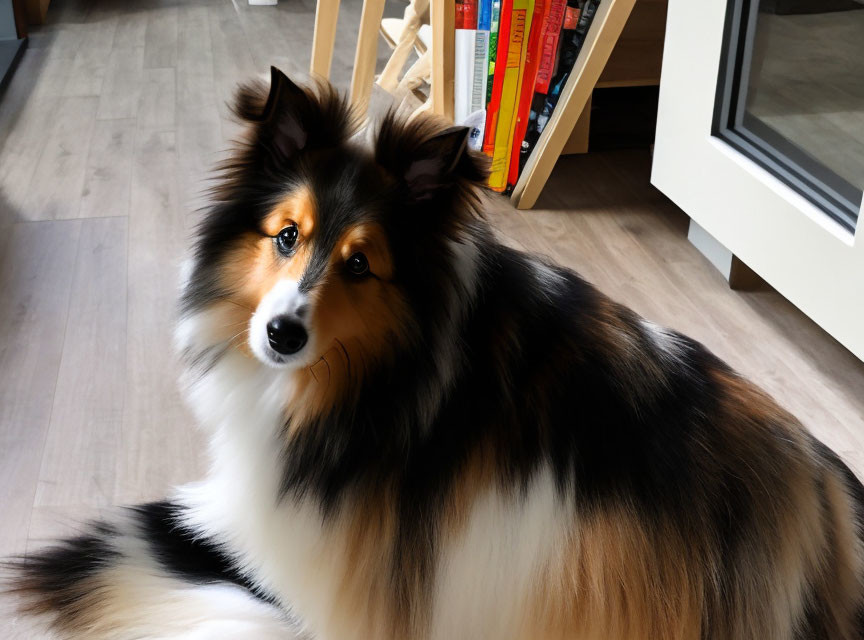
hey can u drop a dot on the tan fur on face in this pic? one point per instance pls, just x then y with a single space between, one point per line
356 322
298 208
353 321
254 266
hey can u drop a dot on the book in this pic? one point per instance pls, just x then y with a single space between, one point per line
520 27
481 65
549 44
463 73
547 50
574 30
493 47
481 56
539 22
498 80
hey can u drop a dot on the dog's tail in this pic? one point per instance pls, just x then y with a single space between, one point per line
142 575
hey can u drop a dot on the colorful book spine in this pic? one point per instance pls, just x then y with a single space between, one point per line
493 47
575 28
549 45
481 53
463 76
539 22
481 56
498 81
484 15
548 54
520 28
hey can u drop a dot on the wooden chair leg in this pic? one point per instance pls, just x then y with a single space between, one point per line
324 37
442 15
367 49
604 33
389 79
416 75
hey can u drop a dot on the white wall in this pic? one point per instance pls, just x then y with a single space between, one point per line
799 250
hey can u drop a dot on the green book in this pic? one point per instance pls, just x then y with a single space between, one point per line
493 47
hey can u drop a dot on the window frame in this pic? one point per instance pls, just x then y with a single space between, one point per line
748 135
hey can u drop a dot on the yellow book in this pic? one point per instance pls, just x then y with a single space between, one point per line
517 47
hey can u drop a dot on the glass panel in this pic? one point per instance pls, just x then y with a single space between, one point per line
792 95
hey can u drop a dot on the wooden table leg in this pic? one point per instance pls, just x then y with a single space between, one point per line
324 37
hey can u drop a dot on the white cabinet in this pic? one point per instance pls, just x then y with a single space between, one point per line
779 232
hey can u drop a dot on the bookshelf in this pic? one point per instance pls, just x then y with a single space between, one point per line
602 37
567 128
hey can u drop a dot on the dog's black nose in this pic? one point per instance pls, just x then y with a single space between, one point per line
286 335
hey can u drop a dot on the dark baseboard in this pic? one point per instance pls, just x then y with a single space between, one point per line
10 53
801 7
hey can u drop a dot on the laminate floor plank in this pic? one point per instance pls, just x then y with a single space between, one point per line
160 38
232 58
55 188
196 85
278 37
131 28
36 274
157 106
90 62
59 39
160 445
199 149
124 81
199 126
23 123
79 460
108 174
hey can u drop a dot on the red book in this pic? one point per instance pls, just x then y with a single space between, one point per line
549 44
498 80
460 14
469 14
539 24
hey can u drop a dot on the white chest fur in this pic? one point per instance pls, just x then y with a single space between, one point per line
484 574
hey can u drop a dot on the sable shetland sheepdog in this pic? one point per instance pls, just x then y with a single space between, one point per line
418 433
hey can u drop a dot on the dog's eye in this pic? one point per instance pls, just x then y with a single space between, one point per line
286 239
357 265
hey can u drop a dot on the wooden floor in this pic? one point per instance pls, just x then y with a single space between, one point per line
106 134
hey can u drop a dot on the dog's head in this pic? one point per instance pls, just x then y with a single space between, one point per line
323 254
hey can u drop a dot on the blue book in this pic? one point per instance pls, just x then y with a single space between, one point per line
484 16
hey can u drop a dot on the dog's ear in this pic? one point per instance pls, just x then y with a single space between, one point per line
283 112
292 118
427 160
435 162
